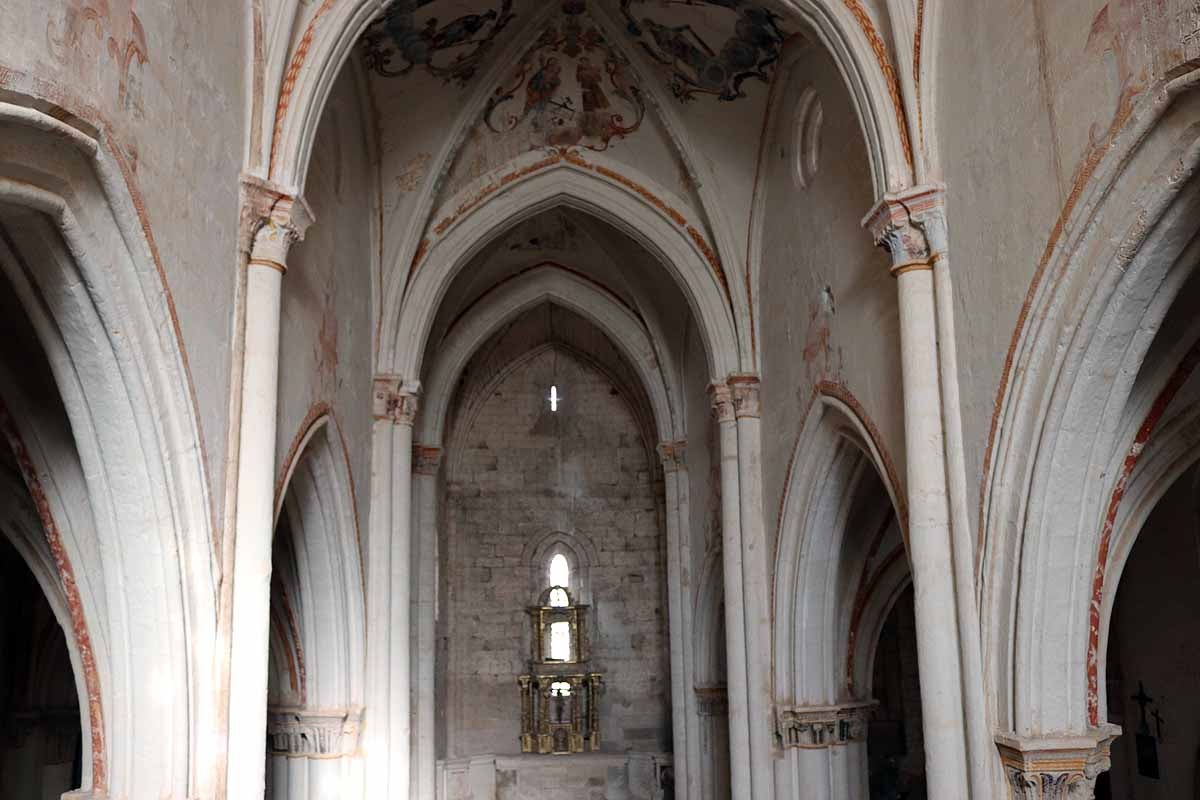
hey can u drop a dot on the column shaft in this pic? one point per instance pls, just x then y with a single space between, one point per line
895 224
929 543
388 731
426 462
735 615
255 516
756 583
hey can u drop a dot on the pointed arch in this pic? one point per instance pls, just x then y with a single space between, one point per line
1078 385
839 490
320 563
631 204
507 301
134 482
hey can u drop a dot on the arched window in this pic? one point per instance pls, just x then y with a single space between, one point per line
560 581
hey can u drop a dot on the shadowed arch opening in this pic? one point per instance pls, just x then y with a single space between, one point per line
840 565
108 447
318 623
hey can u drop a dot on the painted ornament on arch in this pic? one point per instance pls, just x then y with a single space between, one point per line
571 89
742 41
396 43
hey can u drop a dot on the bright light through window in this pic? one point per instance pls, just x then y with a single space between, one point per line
555 398
560 571
558 597
560 641
560 689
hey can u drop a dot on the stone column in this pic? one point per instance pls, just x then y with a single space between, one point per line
755 581
685 723
825 750
1055 768
712 706
312 752
388 725
285 223
426 463
735 616
937 614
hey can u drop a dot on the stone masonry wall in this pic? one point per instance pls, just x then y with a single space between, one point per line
517 473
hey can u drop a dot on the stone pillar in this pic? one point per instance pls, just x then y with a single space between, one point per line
1055 768
756 582
388 724
285 223
712 707
931 217
825 750
893 225
426 463
735 616
685 723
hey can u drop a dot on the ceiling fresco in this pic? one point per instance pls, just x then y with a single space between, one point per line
708 47
572 88
411 36
704 47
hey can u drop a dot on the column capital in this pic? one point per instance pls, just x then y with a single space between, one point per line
746 395
673 454
901 222
1055 767
426 459
302 732
722 401
271 220
394 400
814 727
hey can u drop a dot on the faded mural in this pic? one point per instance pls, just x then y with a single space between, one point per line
398 43
703 55
572 88
123 35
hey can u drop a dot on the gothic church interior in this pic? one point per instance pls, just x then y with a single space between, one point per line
602 399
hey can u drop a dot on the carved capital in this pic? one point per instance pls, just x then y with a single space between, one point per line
305 733
673 454
426 460
271 220
1055 767
911 226
746 396
394 400
722 402
824 726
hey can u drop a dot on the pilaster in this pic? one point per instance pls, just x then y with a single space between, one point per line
1055 768
824 726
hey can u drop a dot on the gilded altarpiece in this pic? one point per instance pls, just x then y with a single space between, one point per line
559 695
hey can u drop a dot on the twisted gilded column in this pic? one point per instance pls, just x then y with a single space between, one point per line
284 223
735 616
388 729
895 224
